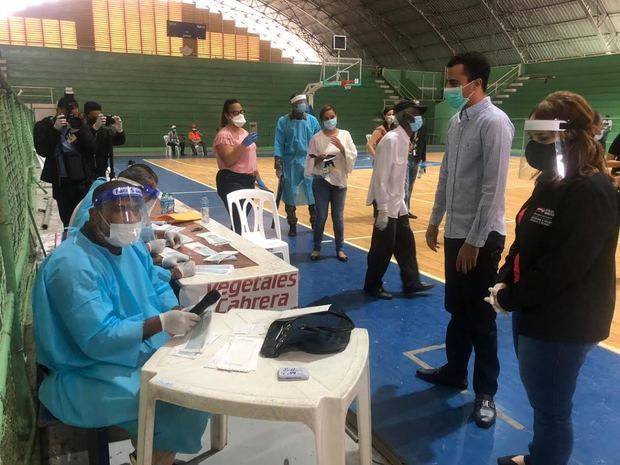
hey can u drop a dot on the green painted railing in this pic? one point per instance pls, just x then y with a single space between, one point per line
17 262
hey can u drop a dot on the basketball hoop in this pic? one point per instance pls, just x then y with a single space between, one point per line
346 85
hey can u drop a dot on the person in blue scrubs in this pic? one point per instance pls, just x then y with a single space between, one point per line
101 310
290 147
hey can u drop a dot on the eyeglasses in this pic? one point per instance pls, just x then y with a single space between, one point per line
237 112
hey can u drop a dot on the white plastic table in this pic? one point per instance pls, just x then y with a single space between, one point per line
320 402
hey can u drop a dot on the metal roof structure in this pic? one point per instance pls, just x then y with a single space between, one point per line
423 34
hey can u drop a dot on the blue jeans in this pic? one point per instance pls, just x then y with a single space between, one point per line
549 372
324 194
412 173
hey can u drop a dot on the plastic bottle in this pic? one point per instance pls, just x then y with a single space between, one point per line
171 206
163 203
204 208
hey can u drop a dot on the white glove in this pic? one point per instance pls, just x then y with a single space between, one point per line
118 123
492 299
173 239
382 220
187 269
60 122
100 121
178 322
169 261
156 246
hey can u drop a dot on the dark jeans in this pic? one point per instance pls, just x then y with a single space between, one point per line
67 198
228 181
549 372
472 326
325 194
291 216
397 239
412 174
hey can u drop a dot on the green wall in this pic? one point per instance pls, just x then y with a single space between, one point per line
150 92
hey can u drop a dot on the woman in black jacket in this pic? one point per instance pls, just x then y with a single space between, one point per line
559 278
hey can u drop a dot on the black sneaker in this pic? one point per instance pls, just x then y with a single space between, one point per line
484 412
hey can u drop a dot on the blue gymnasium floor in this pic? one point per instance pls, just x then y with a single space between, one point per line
421 423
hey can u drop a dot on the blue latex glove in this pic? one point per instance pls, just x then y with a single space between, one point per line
261 185
250 139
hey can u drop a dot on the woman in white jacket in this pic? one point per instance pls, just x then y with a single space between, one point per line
331 157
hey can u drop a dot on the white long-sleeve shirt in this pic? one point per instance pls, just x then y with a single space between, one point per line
343 163
387 185
472 179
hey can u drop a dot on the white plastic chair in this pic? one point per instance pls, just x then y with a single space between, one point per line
256 199
168 149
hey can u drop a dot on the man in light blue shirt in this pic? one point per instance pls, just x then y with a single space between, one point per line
471 193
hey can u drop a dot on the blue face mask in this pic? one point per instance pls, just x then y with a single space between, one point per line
301 108
330 123
454 96
416 124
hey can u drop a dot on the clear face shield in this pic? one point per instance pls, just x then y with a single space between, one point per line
124 215
543 150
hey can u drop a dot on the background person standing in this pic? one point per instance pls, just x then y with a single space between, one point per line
290 147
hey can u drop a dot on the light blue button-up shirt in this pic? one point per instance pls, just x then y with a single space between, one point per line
472 180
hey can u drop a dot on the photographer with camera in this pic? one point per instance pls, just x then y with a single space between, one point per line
108 131
68 146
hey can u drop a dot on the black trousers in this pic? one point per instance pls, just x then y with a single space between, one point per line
472 326
291 216
228 181
396 239
67 196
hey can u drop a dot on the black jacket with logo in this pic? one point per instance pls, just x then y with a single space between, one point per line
565 246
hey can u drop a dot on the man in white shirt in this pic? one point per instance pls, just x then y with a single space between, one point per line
392 234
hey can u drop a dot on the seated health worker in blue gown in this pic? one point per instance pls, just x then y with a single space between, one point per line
100 311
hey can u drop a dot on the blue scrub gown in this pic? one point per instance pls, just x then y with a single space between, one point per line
291 144
89 309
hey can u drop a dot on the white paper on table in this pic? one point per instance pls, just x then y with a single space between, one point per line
222 256
200 249
166 227
240 353
184 353
214 269
185 239
213 239
170 252
250 330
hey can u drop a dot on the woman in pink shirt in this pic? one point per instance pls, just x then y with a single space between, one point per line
235 152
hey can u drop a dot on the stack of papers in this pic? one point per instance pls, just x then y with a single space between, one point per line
222 256
200 249
214 239
166 227
214 269
170 252
240 353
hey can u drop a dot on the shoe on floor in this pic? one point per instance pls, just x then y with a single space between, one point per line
507 460
379 293
441 377
412 216
292 230
343 257
315 257
484 412
419 287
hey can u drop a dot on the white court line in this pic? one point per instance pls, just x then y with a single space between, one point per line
436 278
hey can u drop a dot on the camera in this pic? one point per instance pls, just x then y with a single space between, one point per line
109 120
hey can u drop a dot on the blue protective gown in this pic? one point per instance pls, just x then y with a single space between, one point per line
291 144
89 309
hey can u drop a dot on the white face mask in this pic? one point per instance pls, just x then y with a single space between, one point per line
122 235
238 120
389 119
